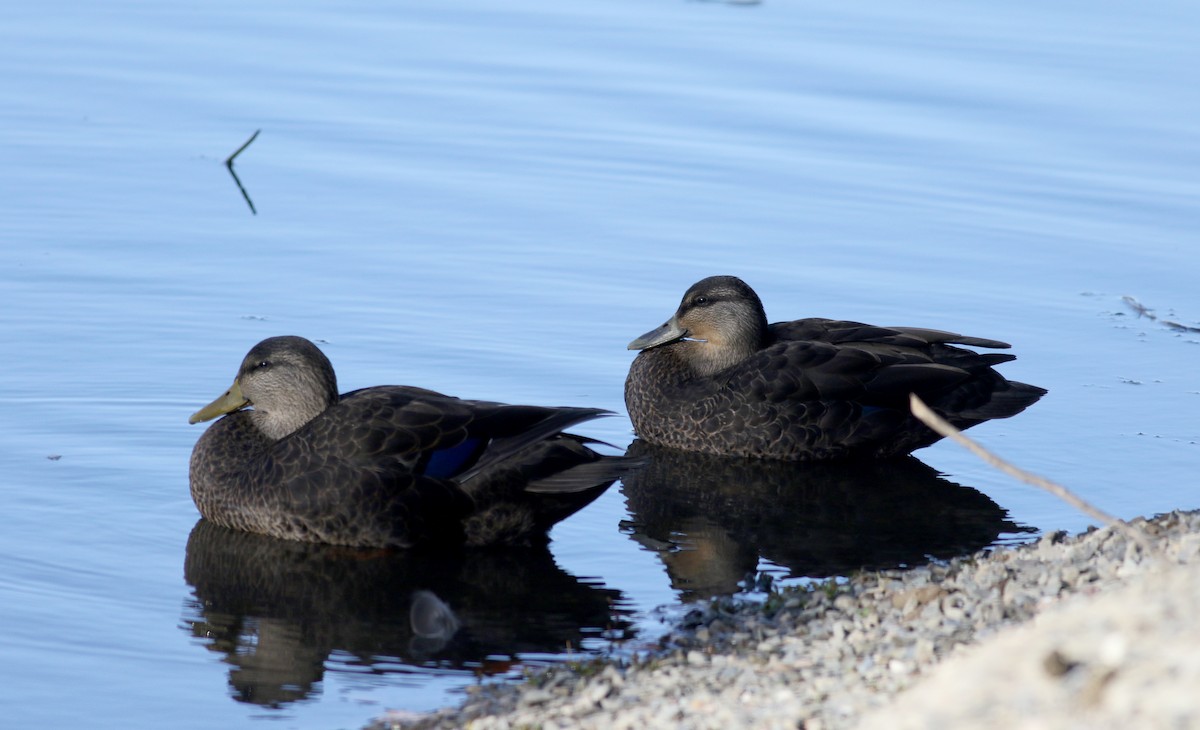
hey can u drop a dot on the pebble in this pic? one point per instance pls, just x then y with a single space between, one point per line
813 660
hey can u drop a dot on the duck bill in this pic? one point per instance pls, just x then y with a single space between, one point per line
231 400
669 332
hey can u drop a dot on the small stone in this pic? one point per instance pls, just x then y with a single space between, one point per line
1113 649
895 666
612 676
953 607
1057 664
1070 575
536 697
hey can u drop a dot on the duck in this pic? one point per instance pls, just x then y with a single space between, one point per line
389 466
716 378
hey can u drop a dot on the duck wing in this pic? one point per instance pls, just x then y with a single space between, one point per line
848 386
839 331
428 459
821 371
819 359
433 434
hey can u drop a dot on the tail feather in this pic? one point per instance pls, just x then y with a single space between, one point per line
585 476
929 336
1004 402
504 448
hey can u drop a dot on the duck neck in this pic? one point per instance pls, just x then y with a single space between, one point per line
707 358
290 411
278 424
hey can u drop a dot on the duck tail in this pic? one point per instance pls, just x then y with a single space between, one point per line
1004 402
582 477
555 420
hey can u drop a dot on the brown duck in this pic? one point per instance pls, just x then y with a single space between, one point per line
388 466
716 378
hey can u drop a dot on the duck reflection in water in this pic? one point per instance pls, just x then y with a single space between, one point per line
277 609
712 518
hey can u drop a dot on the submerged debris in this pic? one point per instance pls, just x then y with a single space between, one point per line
1142 310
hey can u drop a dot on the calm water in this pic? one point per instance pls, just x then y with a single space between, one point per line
492 201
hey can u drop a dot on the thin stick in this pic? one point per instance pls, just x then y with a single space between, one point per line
1142 311
238 151
236 179
939 425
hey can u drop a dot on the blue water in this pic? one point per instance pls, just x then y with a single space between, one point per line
492 200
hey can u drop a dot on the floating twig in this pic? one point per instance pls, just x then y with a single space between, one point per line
1141 310
939 425
238 151
229 166
1138 308
1178 326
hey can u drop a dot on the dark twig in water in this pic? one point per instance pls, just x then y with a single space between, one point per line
229 165
925 415
1178 326
1142 310
1138 308
238 151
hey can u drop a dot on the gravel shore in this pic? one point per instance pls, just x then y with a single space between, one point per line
1089 631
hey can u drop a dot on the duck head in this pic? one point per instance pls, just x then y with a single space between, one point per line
288 381
719 323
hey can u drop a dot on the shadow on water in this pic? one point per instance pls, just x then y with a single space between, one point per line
277 609
712 518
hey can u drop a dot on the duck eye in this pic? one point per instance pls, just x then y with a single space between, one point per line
262 365
701 301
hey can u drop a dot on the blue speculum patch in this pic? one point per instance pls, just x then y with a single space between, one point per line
445 463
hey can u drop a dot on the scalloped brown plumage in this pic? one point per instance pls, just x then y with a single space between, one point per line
716 378
388 466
